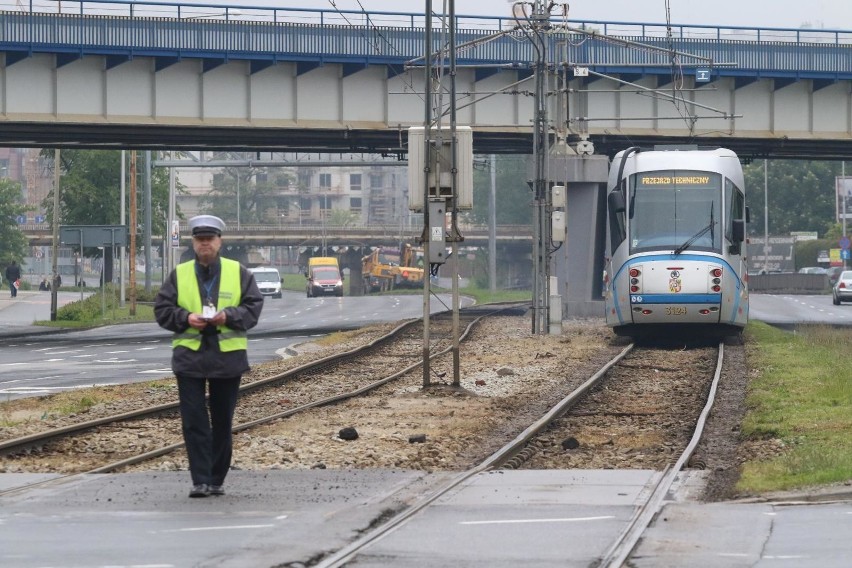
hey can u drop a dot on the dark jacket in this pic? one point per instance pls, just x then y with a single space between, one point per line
13 272
208 362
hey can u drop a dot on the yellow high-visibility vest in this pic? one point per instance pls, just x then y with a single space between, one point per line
189 298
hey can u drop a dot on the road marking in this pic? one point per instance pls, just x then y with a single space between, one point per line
12 364
82 356
114 352
145 348
524 521
225 528
158 371
114 360
64 352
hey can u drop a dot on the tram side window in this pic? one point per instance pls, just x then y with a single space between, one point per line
735 204
617 229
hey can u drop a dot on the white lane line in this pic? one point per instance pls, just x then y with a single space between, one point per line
145 348
12 364
524 521
158 371
226 528
82 356
114 352
64 352
114 360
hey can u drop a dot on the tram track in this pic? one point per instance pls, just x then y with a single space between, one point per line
321 382
590 400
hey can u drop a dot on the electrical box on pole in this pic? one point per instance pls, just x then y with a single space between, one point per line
440 171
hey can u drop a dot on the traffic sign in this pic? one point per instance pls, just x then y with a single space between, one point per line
845 254
844 242
22 219
39 219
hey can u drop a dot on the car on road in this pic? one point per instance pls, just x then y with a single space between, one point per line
812 270
833 274
842 289
268 280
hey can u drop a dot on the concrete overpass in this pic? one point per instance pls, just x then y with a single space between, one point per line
169 75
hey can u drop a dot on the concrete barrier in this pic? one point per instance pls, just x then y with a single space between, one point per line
789 283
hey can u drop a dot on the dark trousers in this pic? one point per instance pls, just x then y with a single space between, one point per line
12 288
207 435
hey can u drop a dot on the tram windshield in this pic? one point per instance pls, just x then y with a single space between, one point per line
677 210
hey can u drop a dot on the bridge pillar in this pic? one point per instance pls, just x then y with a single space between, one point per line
578 264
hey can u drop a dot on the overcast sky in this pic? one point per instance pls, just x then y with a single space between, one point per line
828 14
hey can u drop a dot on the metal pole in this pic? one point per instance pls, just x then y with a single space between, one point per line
455 194
147 196
427 157
81 265
540 148
843 199
123 263
765 217
55 248
132 232
492 227
103 282
238 203
172 249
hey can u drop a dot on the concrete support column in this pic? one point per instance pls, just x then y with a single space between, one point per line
578 264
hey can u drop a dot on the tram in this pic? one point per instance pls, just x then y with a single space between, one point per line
675 243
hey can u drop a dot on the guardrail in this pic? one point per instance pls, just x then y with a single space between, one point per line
190 30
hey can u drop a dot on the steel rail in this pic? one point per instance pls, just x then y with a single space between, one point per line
318 364
496 459
618 553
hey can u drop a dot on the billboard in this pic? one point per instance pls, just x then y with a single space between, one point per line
778 255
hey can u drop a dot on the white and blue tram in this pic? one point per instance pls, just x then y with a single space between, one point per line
675 242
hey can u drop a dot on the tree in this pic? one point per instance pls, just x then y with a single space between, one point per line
801 196
90 194
13 243
254 191
514 198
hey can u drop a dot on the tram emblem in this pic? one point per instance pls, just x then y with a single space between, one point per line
675 283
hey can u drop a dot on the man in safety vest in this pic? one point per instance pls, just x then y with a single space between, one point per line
209 303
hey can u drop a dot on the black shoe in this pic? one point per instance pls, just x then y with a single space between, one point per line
216 490
200 490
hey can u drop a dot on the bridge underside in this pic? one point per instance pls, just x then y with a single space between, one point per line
139 104
313 140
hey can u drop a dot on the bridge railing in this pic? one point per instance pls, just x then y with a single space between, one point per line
246 32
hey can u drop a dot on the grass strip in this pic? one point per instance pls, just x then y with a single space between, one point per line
799 407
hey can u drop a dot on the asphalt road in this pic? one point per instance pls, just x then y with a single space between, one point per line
35 361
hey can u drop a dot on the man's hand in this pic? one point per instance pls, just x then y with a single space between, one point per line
197 321
218 319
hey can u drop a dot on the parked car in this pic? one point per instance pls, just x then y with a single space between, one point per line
842 289
812 270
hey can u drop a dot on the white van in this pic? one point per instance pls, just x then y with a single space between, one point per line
268 280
